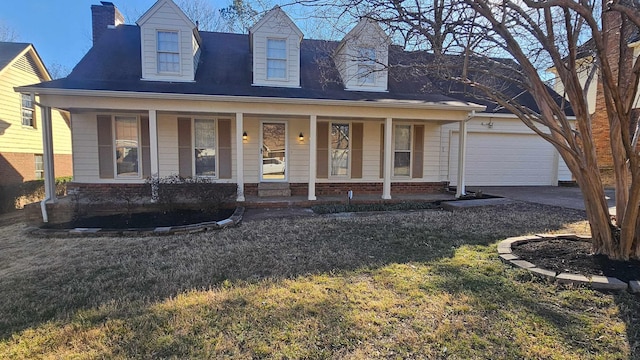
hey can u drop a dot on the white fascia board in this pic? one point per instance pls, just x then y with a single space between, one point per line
382 103
507 116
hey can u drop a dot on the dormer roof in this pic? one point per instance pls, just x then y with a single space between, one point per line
365 25
157 6
276 14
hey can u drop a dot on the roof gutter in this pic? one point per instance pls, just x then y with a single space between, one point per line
382 103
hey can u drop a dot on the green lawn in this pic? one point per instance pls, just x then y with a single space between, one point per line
421 284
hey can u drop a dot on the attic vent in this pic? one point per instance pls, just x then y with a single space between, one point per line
27 64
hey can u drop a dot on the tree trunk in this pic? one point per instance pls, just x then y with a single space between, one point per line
603 239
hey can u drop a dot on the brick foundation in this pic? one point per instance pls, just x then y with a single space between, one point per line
302 189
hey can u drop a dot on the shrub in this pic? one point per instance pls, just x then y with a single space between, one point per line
175 190
13 196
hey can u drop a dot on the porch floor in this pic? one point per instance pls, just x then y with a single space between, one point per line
253 201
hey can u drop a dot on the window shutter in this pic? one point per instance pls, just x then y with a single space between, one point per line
146 147
381 151
418 151
105 147
224 147
322 154
185 150
357 131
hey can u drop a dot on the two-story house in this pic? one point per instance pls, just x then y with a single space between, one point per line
21 142
274 111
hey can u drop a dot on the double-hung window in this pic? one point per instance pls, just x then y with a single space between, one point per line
366 65
28 110
276 59
127 146
39 161
340 146
402 150
205 150
168 52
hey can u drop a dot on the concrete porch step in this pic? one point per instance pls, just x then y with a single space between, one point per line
266 189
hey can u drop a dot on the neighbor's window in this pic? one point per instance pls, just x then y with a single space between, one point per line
27 110
276 59
127 146
366 65
339 149
204 147
402 150
39 166
168 52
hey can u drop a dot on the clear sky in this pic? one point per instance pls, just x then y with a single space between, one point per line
61 29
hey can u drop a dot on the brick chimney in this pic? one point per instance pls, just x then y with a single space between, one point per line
104 16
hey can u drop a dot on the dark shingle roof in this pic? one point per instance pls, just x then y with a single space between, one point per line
225 69
9 51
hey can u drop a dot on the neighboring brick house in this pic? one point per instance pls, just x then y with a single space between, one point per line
600 121
595 94
21 150
273 110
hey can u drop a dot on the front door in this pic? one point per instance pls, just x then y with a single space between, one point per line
274 152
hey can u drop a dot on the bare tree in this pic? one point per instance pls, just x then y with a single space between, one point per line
552 32
7 33
239 16
504 47
202 13
58 71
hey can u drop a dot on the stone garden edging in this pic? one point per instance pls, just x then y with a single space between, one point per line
233 220
594 281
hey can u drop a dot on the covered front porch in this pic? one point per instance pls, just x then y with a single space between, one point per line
324 149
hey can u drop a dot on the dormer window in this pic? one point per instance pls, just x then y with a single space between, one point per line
168 52
366 66
276 58
362 57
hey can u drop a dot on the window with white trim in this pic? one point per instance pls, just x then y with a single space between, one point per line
339 149
28 110
276 59
366 66
127 145
168 52
205 147
402 150
39 161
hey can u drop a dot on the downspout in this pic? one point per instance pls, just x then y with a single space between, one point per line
462 155
47 150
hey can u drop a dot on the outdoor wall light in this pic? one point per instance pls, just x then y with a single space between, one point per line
301 136
244 136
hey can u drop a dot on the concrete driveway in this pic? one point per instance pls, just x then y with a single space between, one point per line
568 197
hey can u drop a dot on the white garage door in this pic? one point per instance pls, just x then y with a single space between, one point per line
504 160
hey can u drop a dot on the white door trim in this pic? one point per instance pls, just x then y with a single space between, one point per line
286 150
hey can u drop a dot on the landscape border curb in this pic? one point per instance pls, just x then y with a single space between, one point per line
597 282
233 220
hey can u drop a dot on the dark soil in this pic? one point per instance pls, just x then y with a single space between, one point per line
147 220
571 256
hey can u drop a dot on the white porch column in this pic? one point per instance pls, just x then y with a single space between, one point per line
313 144
47 155
462 158
386 184
153 143
153 152
239 156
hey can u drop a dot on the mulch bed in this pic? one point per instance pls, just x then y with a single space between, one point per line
571 256
147 220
